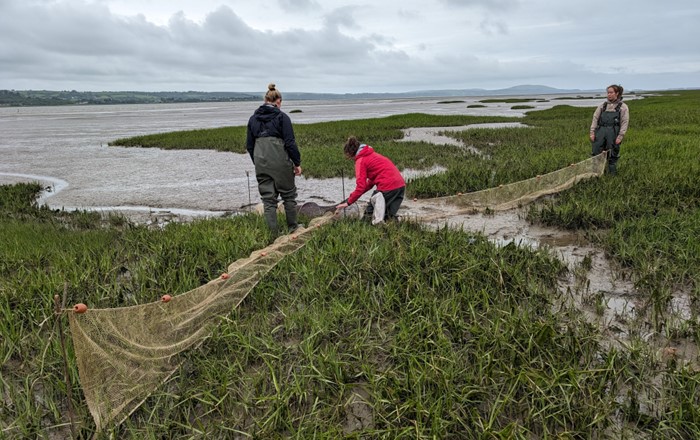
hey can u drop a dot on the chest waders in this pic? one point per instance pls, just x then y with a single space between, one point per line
275 174
606 134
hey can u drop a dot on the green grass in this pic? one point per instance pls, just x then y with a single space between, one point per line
441 333
507 100
576 97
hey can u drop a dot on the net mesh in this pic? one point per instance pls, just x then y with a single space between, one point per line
512 195
124 354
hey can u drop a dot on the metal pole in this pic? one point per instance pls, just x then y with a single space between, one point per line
69 387
342 179
247 174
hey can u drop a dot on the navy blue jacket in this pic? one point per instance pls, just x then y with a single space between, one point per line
269 120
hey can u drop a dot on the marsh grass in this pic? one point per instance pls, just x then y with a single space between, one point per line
443 333
389 332
507 100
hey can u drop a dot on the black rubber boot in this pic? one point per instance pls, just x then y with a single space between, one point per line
290 210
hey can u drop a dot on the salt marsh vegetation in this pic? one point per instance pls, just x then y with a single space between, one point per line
402 331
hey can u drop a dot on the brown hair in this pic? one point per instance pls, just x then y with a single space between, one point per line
617 88
351 146
272 94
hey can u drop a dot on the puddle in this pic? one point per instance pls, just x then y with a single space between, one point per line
434 135
409 173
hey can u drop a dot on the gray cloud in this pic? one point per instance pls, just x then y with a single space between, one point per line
343 16
385 46
298 5
490 27
488 4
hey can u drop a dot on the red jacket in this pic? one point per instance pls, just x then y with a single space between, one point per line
371 169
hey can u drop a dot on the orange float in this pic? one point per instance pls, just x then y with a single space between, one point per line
224 276
166 298
263 254
80 308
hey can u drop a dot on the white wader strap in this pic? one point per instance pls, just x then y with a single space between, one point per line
377 200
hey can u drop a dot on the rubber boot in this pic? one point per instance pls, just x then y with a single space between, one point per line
290 210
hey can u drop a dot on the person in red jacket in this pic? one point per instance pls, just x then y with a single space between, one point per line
373 169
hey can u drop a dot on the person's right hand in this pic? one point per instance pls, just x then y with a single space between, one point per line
340 206
297 170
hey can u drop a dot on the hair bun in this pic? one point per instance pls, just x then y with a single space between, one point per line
271 86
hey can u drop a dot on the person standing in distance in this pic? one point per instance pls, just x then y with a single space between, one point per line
610 122
273 149
371 168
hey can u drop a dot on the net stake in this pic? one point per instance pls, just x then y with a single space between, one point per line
69 387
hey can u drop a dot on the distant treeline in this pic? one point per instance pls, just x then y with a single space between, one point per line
14 98
48 97
73 97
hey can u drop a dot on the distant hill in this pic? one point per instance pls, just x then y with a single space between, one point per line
510 91
73 97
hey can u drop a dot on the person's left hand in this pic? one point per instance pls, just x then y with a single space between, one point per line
297 170
618 140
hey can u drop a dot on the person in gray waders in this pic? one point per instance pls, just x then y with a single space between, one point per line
273 149
610 122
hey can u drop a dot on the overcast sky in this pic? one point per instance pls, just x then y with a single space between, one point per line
347 46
